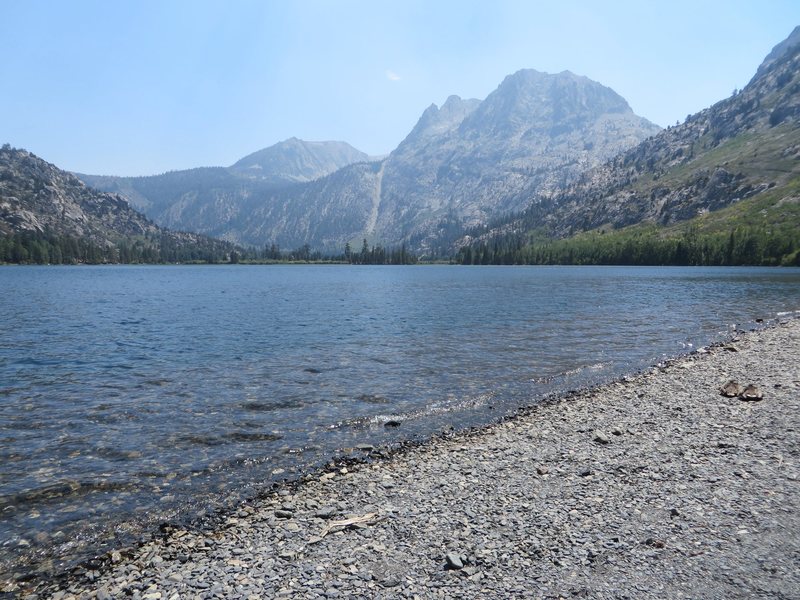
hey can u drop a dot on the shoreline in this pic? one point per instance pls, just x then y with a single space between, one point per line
298 542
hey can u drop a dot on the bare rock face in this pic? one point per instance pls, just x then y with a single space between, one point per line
779 51
294 160
39 199
462 164
217 201
535 130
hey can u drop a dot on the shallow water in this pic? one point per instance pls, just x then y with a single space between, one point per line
130 394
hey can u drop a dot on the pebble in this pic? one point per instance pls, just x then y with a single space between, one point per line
527 508
731 389
326 512
751 393
601 437
102 594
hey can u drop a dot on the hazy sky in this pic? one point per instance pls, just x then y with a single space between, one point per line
141 87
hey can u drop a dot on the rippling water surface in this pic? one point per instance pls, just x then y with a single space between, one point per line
129 395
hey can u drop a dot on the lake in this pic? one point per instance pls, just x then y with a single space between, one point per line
134 394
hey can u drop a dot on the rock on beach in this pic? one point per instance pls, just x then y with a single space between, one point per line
692 494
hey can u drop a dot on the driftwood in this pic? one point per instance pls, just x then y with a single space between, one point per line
362 521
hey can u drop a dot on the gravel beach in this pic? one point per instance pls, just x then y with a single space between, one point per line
655 486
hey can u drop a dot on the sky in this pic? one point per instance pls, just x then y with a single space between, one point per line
138 87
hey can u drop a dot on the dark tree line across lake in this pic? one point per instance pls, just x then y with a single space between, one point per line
368 255
740 246
47 248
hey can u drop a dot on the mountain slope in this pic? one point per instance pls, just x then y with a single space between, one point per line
39 202
744 147
208 199
325 213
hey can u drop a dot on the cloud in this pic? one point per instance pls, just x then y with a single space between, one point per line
392 76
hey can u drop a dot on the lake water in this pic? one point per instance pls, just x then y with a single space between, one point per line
129 394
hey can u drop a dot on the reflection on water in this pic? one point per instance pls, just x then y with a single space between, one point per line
132 394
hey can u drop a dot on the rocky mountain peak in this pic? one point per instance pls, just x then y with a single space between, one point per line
295 160
436 121
743 147
533 100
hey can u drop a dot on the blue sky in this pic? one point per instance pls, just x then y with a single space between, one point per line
142 87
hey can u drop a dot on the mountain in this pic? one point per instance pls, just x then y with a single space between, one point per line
203 200
294 160
44 209
207 199
744 150
462 164
535 129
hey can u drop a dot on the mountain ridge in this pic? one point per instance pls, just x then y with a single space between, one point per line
207 199
462 162
47 207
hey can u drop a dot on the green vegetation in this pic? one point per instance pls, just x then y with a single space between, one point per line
378 255
46 248
763 230
368 255
760 156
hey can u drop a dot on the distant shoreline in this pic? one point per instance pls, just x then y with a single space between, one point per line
419 264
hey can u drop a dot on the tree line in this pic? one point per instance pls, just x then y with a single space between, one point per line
740 246
48 248
368 255
378 255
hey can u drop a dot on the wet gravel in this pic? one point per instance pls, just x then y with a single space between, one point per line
655 486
